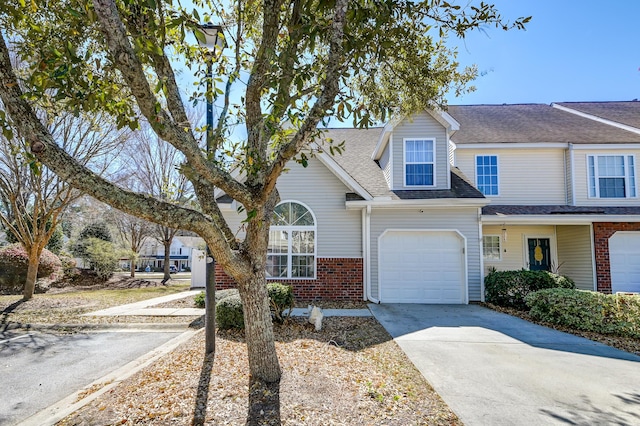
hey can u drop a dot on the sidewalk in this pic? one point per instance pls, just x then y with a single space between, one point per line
146 308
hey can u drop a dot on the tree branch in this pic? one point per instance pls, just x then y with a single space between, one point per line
325 99
132 70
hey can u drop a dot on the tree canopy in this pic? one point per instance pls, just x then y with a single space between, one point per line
293 64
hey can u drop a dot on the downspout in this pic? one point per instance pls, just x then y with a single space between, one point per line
573 175
366 242
482 272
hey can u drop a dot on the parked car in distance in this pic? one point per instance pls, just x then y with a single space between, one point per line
172 269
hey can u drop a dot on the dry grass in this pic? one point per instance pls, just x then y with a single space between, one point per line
66 307
350 373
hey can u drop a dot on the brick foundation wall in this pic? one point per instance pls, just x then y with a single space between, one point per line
602 231
337 279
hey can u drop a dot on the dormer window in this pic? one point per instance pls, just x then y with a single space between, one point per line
419 162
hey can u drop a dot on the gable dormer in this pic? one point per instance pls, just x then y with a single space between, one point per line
413 152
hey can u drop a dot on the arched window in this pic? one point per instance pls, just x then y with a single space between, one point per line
292 242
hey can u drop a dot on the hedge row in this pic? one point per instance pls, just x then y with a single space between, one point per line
509 288
587 310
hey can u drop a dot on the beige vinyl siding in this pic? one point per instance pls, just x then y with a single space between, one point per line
582 180
575 257
525 176
513 252
385 163
339 230
463 220
421 126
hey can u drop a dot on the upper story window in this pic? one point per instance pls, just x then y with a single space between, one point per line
419 162
487 174
292 242
611 176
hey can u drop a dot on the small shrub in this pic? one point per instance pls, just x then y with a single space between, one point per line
223 294
587 310
68 266
220 294
509 288
199 300
14 263
280 299
229 313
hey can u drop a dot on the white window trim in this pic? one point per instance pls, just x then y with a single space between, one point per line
627 176
290 229
499 237
404 162
475 164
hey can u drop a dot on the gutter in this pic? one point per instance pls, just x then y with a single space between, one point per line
387 203
557 219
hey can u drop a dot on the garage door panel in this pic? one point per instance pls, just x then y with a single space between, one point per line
624 261
422 267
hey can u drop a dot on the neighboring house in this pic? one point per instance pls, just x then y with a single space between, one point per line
562 180
400 216
152 253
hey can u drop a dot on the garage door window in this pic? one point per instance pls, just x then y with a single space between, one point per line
292 242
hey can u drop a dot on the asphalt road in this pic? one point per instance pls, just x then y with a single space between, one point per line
38 369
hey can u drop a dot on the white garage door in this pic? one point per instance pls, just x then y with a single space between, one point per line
624 261
422 267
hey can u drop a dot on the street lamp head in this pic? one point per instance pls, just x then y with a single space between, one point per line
211 37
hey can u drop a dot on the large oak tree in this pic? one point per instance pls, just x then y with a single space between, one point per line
295 63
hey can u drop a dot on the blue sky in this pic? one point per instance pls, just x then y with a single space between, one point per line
572 50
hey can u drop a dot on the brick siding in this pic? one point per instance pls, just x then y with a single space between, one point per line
337 279
602 231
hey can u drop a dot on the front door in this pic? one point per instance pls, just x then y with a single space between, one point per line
539 254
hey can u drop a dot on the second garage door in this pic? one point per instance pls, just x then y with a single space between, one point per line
422 267
624 261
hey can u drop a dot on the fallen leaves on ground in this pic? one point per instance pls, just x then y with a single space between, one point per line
349 373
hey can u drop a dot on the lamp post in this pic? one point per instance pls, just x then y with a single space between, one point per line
211 37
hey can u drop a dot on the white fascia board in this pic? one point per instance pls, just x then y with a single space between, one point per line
341 174
606 146
228 207
445 119
556 219
384 138
443 203
596 118
512 145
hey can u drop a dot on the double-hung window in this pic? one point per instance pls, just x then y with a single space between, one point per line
487 174
491 247
611 176
291 252
419 162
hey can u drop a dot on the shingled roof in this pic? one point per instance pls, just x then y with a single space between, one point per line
627 113
531 123
356 161
512 210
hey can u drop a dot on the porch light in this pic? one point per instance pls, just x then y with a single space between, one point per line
504 234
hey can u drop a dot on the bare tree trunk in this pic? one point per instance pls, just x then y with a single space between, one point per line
263 360
167 260
132 267
210 306
32 274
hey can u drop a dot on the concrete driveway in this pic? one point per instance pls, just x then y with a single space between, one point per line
494 369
